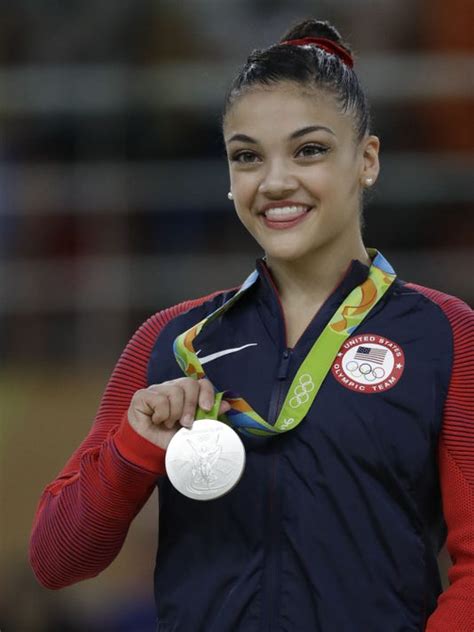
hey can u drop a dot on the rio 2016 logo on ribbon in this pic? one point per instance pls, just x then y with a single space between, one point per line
300 394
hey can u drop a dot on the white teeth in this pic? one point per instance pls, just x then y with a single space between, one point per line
285 210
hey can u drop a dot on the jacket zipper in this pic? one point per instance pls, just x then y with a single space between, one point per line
282 375
272 568
284 366
272 553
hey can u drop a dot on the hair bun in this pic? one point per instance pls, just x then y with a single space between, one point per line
315 28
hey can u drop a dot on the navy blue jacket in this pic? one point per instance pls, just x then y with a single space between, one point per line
336 525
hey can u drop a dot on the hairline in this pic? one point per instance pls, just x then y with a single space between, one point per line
306 88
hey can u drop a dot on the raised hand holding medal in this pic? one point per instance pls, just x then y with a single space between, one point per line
205 458
159 411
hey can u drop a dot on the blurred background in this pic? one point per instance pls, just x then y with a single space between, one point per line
113 205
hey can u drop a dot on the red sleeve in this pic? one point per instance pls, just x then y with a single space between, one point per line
84 515
455 609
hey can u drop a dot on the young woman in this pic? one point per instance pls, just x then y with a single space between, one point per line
351 391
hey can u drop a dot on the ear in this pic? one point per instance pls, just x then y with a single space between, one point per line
370 165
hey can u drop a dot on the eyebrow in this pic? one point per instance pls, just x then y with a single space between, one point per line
299 132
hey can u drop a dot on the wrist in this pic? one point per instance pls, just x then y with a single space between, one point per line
138 450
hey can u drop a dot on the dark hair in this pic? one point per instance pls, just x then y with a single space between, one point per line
308 66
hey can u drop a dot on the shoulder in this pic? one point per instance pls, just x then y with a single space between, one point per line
187 313
453 309
171 321
458 318
153 341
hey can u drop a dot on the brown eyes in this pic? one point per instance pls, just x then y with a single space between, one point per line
308 151
313 150
242 157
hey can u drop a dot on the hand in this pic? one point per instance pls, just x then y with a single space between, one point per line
159 411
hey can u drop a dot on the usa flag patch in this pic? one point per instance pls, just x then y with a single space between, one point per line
369 363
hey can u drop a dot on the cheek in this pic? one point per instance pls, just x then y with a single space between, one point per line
244 217
322 185
249 223
351 168
243 185
341 181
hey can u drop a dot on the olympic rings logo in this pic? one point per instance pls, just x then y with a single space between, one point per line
300 394
365 371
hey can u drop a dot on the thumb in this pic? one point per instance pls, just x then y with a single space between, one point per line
224 407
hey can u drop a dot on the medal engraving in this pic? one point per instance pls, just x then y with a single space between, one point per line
206 461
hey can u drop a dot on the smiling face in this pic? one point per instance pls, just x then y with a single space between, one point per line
295 150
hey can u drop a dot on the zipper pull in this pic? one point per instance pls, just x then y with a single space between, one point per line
284 365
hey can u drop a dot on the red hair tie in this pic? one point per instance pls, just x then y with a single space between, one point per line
326 44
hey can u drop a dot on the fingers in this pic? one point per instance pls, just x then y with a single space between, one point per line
200 393
160 405
182 398
206 394
191 390
176 401
176 397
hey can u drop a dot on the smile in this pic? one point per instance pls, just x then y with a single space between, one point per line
283 217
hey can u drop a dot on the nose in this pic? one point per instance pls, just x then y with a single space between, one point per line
277 181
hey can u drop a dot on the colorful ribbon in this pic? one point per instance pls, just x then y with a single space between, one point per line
314 368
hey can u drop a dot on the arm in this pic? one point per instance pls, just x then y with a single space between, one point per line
84 515
455 609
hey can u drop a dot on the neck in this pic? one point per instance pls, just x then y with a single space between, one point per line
310 280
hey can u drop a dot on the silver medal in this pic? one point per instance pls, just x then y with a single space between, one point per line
205 461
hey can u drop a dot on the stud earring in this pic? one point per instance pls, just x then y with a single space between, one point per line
369 182
230 196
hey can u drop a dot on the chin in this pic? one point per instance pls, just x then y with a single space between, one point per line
286 254
290 248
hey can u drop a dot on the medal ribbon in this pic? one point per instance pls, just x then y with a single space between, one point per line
314 368
214 412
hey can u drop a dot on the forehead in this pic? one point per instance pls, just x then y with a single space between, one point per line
276 111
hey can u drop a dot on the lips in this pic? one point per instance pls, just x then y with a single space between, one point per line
285 216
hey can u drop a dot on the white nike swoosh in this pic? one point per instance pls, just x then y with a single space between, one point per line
219 354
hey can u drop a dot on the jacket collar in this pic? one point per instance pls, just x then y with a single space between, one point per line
271 311
355 274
